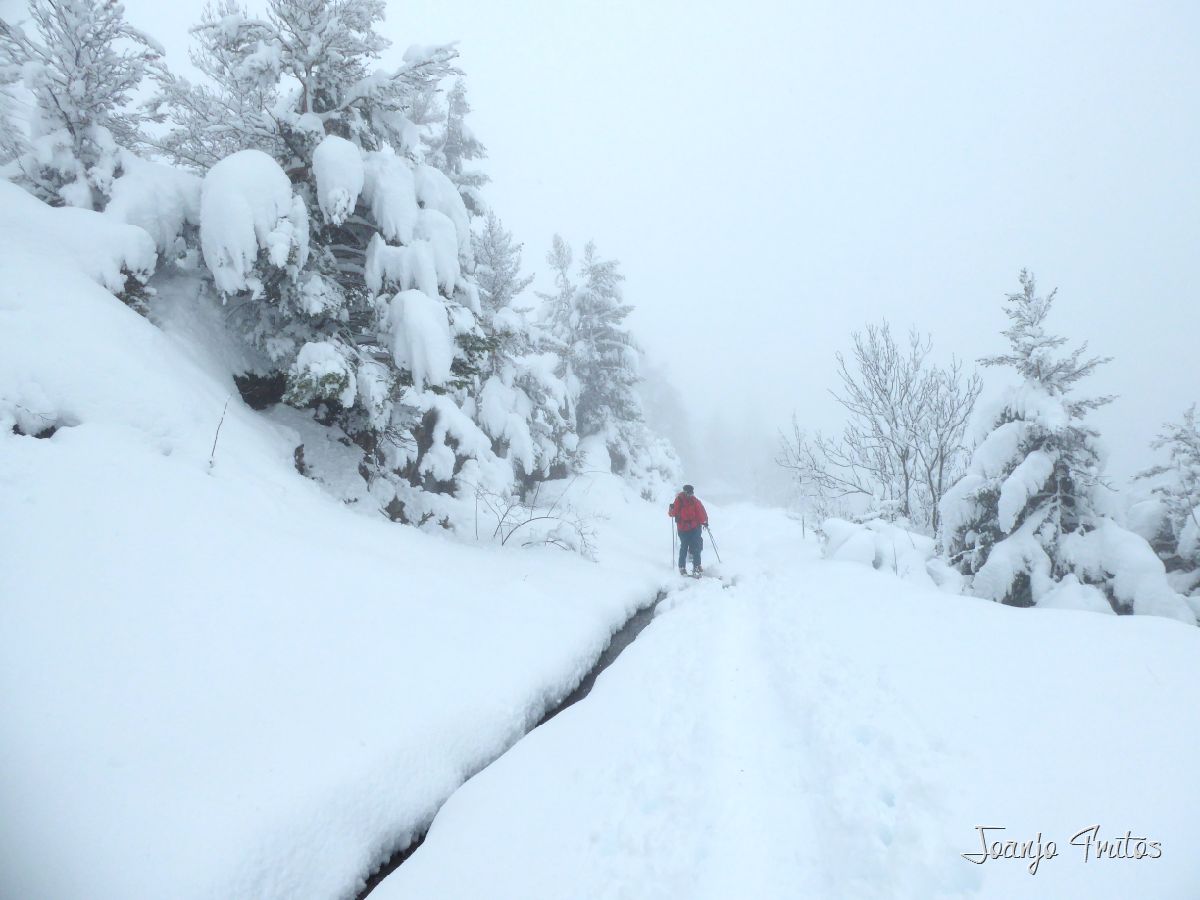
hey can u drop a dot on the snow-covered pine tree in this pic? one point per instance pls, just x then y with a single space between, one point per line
1024 523
1175 490
599 365
376 324
452 146
522 401
81 68
1032 479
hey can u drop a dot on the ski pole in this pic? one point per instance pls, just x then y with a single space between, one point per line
672 545
714 542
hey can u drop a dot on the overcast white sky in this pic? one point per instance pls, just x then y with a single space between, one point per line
772 175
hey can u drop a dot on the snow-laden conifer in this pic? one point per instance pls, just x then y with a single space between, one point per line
453 147
522 402
599 363
1170 516
377 326
1026 524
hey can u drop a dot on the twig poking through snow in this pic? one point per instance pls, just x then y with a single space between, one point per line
212 457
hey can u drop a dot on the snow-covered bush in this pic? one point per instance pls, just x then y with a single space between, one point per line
1125 568
1168 513
889 547
321 372
1025 515
81 69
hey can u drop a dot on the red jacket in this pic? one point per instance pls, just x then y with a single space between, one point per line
688 512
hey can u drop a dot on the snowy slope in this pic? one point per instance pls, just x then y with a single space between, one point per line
824 730
222 683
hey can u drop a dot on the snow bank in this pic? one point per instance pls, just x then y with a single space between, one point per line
889 548
218 682
246 206
1070 593
338 168
105 251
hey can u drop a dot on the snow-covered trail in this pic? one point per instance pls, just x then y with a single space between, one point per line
823 730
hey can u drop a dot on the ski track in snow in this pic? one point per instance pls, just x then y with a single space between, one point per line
769 762
824 730
799 782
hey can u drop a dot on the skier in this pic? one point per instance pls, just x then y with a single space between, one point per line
690 516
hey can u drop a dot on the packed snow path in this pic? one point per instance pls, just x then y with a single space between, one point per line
624 636
824 730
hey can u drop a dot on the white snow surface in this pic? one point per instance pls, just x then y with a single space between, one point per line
823 730
219 682
102 250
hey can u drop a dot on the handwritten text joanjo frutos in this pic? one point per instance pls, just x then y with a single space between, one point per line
994 845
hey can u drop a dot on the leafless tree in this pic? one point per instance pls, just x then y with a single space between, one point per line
902 444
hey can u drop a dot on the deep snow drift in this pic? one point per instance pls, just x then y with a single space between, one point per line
825 730
222 683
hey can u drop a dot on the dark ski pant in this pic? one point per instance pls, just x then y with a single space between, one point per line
692 541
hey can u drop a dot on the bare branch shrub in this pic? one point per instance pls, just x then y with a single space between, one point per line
902 445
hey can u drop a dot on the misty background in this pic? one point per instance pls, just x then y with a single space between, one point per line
772 176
